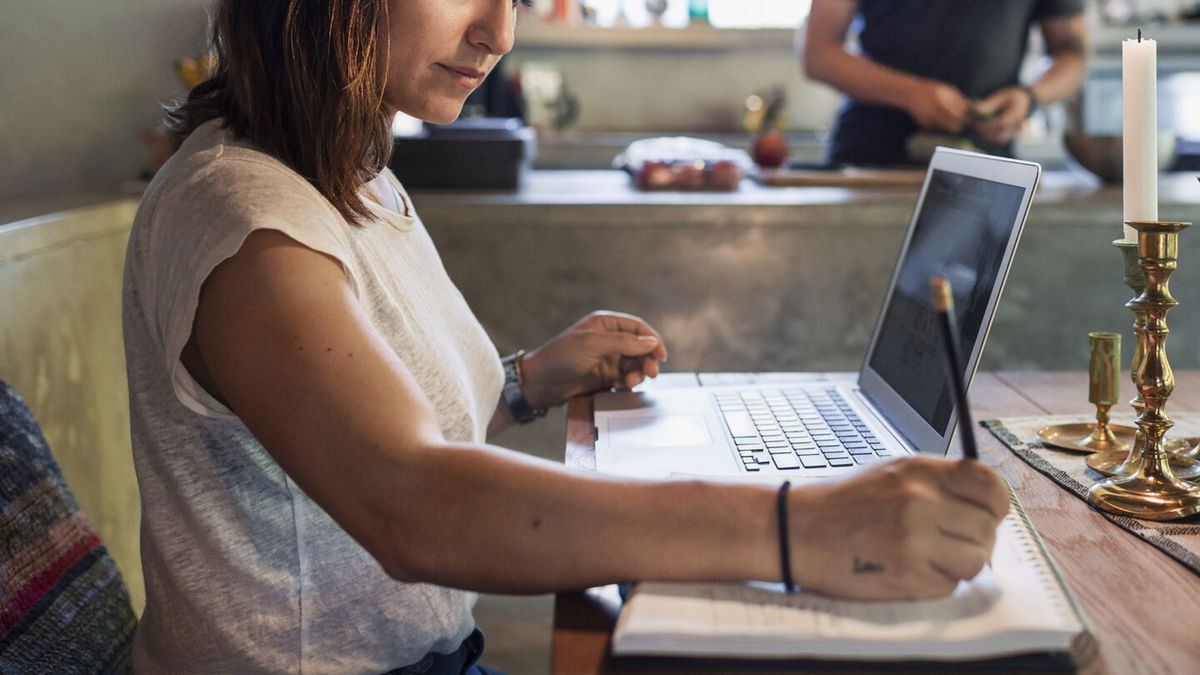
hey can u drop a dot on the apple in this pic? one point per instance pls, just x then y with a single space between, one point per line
770 150
723 175
689 175
654 176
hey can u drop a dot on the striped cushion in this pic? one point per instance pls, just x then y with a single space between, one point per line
63 605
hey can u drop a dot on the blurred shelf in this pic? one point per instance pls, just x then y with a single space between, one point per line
534 35
1173 39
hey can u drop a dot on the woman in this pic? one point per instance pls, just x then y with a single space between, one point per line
311 395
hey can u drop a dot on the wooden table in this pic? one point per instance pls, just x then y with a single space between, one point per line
1144 606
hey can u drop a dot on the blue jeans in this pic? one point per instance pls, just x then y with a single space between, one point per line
461 661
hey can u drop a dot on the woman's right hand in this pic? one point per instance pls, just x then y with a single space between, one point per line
907 529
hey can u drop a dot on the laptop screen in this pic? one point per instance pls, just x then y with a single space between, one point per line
961 233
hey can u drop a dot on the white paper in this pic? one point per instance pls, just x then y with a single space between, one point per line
1014 606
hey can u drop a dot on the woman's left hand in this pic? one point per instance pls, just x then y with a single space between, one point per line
601 351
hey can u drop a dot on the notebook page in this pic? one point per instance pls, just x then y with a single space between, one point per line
1017 597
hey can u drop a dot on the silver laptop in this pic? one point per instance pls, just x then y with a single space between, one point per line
965 227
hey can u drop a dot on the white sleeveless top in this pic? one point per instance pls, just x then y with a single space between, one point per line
245 573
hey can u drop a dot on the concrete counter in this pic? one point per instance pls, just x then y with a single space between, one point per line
783 278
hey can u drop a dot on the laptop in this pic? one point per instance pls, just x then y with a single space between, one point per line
965 227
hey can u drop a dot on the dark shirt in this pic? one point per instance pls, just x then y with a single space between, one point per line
975 45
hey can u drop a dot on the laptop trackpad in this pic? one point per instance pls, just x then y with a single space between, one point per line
658 432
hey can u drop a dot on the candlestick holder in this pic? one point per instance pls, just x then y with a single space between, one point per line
1151 490
1104 371
1120 461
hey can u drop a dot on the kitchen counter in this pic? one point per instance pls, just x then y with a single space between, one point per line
780 278
783 278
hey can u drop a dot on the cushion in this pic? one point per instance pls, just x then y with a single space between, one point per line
63 605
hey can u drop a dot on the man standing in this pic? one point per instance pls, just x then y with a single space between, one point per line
948 66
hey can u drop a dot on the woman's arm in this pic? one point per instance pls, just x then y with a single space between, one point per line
282 339
932 104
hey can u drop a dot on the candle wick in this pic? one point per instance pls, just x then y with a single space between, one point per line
1139 35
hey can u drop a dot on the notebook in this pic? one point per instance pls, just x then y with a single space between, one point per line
965 227
1018 606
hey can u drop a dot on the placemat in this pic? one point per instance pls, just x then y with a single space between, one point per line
1179 539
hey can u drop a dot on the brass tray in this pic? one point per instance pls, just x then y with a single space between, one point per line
1065 435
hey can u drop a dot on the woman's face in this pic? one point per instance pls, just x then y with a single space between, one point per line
440 51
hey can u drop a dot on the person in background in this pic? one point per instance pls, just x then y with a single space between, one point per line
311 396
947 66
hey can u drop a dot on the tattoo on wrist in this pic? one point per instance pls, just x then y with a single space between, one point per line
866 566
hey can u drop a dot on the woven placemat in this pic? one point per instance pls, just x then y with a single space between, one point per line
1179 539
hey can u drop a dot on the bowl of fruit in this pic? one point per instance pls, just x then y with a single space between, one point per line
684 164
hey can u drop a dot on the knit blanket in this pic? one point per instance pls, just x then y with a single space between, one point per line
63 605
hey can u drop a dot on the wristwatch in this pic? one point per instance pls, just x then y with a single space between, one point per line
514 394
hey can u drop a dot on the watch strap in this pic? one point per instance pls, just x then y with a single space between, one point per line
514 392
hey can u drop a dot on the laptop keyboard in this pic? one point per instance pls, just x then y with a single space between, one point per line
791 429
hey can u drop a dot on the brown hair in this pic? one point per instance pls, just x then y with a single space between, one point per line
300 79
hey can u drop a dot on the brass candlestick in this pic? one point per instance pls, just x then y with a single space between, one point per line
1104 377
1120 461
1151 490
1187 456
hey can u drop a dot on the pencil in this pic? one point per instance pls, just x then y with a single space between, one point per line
943 304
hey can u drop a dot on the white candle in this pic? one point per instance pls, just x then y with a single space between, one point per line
1139 62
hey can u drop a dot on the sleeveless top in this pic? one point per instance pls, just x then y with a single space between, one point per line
244 572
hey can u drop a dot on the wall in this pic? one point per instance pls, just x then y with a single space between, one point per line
80 79
675 90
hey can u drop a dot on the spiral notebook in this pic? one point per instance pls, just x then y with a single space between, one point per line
1018 606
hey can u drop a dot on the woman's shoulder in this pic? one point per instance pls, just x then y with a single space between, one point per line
217 177
213 160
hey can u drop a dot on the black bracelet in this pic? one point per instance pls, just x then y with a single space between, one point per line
785 557
1034 104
